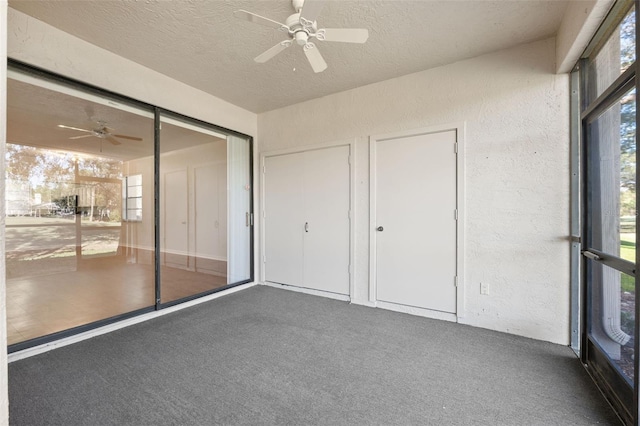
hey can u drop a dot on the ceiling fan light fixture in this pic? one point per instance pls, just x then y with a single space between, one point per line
301 38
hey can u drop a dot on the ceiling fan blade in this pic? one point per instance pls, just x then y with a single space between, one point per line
344 35
315 58
74 128
132 138
113 141
81 137
264 57
252 17
310 11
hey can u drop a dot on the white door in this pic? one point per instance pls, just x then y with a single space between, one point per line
307 229
326 240
284 219
415 207
210 218
206 211
176 241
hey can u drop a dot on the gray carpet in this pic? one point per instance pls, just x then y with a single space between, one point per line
267 356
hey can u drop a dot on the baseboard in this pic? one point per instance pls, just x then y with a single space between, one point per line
421 312
366 303
36 350
313 292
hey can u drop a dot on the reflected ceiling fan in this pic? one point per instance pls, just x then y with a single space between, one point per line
302 28
102 132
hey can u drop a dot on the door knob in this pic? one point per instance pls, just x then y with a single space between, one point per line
379 229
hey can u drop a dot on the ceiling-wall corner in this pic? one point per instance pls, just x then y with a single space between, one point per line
579 23
37 43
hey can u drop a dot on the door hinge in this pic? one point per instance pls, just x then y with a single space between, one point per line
455 147
264 259
455 280
264 169
455 214
251 219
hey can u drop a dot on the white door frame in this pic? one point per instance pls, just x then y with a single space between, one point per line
352 238
459 128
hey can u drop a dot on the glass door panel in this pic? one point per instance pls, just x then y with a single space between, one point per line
614 57
68 251
612 308
205 209
610 239
193 209
240 219
611 148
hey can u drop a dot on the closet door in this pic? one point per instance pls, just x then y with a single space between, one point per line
307 228
326 211
176 236
284 219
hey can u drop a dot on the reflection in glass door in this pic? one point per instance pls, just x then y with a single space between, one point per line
73 256
115 208
205 194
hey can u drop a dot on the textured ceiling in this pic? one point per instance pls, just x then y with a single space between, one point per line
202 44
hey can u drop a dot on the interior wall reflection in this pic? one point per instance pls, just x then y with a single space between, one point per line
193 210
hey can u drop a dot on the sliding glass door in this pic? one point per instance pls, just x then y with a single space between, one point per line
115 208
205 211
70 247
609 255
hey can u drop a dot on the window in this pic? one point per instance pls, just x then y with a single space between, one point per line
132 198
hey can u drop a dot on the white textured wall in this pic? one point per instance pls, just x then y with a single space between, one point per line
4 399
39 44
517 174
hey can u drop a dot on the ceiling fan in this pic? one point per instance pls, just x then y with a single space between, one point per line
302 28
102 132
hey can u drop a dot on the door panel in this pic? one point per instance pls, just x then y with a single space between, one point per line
326 244
307 229
210 219
284 224
611 234
238 183
176 242
207 215
415 206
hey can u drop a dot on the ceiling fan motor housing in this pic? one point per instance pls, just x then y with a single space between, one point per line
299 32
